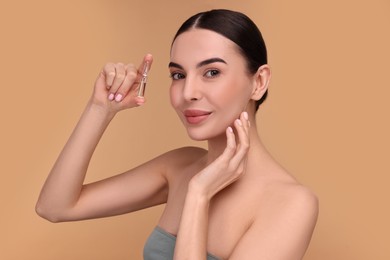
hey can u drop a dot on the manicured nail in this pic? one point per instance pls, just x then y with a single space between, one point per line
111 97
230 129
239 121
118 97
245 115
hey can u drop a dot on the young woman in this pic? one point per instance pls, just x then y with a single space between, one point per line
232 201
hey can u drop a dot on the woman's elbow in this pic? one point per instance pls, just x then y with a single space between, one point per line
47 214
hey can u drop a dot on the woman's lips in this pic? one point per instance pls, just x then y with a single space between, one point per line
196 116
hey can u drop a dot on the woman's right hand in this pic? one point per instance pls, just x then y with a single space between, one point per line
117 86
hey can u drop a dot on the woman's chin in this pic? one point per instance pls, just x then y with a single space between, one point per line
197 135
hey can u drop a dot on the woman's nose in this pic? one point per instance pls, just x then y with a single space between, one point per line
192 91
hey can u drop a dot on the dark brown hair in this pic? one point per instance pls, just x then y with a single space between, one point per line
238 28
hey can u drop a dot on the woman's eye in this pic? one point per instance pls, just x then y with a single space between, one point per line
212 73
177 76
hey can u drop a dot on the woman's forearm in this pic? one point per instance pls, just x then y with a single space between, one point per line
64 183
226 169
192 236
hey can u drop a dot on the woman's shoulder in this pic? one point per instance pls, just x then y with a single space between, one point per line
185 154
282 187
286 209
182 162
294 214
182 157
287 190
299 196
291 200
282 193
191 150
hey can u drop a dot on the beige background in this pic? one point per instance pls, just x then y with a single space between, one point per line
326 119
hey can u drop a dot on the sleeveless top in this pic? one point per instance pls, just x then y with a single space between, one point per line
161 246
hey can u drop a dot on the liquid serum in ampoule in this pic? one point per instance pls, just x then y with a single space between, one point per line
142 84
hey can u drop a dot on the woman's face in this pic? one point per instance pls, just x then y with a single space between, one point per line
211 85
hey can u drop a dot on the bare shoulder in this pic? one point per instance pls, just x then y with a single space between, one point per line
290 213
181 157
298 197
283 225
292 201
301 209
184 153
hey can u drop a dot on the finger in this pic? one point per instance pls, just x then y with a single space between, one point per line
120 74
244 117
241 167
244 124
132 80
128 82
109 74
145 65
243 146
231 145
140 100
143 71
243 135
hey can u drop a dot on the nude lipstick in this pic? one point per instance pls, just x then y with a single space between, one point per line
194 116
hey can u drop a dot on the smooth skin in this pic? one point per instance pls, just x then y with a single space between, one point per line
232 200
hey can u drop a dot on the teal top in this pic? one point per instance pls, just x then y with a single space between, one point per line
161 246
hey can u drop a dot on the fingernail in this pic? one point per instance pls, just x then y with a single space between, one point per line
111 97
245 115
239 121
230 129
118 97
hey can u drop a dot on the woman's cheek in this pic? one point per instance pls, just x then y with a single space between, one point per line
231 96
174 97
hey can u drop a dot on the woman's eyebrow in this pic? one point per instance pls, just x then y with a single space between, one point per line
175 65
208 61
200 64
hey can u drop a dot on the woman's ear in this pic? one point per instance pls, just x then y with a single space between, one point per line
261 81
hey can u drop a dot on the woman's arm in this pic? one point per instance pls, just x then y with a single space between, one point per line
192 236
64 197
64 184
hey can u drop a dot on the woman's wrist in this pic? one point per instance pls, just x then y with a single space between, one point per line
197 192
103 112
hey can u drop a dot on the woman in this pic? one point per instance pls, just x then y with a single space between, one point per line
232 201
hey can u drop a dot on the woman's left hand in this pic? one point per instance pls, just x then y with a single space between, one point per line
229 166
